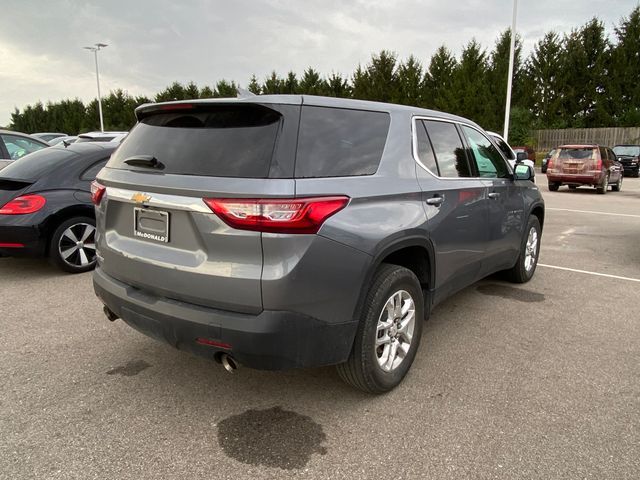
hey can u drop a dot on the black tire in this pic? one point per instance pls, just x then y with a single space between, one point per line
573 187
554 186
60 242
618 185
604 185
637 175
519 272
362 370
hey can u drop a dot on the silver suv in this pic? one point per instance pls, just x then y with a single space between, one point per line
296 231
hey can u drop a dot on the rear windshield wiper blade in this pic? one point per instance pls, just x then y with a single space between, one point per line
144 161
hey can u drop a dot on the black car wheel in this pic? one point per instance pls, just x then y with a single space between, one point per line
554 186
73 245
389 332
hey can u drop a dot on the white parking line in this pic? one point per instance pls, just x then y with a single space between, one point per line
629 279
592 211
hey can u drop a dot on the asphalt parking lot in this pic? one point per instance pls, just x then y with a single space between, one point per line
540 380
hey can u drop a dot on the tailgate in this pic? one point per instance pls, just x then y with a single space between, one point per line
154 230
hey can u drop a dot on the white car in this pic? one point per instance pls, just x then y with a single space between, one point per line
116 137
509 153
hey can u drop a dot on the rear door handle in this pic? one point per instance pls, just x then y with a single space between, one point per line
436 200
494 195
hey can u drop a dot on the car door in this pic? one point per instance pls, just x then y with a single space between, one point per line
455 204
616 168
505 201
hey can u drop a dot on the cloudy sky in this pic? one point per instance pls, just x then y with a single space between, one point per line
154 42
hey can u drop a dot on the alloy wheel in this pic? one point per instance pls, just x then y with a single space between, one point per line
77 247
531 249
395 328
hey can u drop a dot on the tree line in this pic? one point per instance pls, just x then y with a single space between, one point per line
583 78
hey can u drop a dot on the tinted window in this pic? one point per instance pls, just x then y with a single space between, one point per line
221 141
488 160
37 164
425 151
94 139
92 172
502 145
18 147
448 148
603 153
336 142
577 153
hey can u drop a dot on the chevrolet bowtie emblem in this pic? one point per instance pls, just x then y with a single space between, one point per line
140 197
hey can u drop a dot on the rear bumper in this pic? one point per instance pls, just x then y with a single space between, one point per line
573 179
271 340
16 240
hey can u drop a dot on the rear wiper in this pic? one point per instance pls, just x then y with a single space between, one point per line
144 161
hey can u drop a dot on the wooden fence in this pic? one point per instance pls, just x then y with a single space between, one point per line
548 139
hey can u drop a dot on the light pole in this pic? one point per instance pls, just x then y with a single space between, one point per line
507 108
95 49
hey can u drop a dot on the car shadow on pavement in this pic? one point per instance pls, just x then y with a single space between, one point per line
27 268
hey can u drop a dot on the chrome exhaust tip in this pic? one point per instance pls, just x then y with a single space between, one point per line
228 362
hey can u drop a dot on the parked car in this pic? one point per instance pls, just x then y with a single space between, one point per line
297 231
529 151
115 137
48 136
509 153
67 140
629 157
15 145
580 165
545 160
45 205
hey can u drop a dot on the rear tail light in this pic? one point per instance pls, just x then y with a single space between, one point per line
550 163
294 215
23 205
599 164
97 192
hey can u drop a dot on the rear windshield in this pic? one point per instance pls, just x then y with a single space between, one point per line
221 141
577 153
631 150
337 142
36 164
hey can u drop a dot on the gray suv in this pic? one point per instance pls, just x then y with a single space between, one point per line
297 231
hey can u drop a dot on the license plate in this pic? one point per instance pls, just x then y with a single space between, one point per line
151 224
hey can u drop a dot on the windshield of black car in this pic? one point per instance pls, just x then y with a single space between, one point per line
627 150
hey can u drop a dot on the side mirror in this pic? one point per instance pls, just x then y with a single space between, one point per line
523 172
520 156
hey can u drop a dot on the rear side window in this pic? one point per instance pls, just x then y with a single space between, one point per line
36 164
92 172
448 148
221 141
337 142
425 151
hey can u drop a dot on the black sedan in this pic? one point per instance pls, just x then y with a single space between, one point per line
46 208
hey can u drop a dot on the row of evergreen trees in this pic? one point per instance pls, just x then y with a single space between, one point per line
580 79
